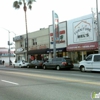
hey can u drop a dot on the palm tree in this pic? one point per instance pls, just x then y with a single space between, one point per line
26 3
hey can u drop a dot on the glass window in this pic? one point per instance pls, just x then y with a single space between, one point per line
21 44
50 60
34 41
89 58
97 58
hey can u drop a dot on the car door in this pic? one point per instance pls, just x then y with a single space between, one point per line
89 63
49 63
55 62
96 63
32 63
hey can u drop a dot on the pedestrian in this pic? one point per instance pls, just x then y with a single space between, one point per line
3 62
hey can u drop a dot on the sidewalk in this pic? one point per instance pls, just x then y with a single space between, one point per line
7 65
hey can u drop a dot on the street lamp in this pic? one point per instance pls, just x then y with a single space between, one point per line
9 52
9 47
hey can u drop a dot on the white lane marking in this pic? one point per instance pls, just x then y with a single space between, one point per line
10 82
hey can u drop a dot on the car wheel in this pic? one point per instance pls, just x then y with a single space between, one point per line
58 67
44 67
20 66
82 69
36 67
28 66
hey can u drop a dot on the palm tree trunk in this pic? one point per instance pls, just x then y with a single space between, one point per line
25 9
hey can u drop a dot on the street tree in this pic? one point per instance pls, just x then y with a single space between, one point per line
26 4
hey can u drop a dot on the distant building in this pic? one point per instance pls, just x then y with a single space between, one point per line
4 54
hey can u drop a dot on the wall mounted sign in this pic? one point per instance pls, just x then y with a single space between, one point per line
17 38
83 30
20 50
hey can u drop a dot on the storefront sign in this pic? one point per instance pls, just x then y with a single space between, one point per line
17 38
20 50
60 36
83 30
38 47
42 46
84 46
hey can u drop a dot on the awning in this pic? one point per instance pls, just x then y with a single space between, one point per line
83 46
57 50
39 51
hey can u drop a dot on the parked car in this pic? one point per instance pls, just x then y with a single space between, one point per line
91 63
35 64
20 63
1 62
58 63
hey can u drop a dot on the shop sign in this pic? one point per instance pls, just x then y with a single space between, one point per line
84 46
83 30
20 50
17 38
60 35
42 46
33 48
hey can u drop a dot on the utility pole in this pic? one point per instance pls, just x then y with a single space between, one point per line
54 37
98 37
9 47
9 51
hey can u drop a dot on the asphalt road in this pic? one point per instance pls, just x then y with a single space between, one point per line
39 84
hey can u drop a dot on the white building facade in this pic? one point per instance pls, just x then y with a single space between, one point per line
82 37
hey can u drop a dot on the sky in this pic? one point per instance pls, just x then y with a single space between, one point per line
40 16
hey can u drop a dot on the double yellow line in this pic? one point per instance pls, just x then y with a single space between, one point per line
54 77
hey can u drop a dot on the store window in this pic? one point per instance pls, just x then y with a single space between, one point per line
34 41
21 44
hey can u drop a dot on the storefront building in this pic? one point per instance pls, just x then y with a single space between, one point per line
20 47
38 45
82 37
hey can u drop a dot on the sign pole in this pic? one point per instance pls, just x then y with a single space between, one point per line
54 37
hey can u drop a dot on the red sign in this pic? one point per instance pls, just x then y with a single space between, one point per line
83 46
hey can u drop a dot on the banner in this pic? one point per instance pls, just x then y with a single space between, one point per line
56 22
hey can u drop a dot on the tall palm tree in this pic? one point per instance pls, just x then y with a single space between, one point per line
26 3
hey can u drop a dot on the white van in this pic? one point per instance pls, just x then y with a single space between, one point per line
91 63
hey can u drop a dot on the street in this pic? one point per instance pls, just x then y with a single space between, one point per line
39 84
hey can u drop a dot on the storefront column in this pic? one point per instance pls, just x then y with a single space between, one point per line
82 55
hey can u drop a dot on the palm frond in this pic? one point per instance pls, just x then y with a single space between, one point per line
30 7
30 2
15 4
20 3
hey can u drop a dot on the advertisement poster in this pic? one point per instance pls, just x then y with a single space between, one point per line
60 35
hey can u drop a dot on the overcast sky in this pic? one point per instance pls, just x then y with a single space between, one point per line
40 16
